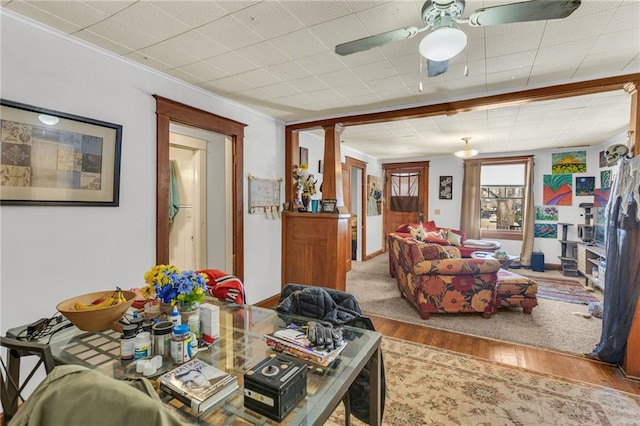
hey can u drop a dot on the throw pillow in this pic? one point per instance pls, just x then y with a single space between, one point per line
454 239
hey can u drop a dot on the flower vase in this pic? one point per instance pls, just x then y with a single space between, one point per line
187 309
166 309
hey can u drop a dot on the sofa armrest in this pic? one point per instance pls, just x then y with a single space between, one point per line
456 267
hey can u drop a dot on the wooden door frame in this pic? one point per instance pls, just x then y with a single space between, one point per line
168 111
362 165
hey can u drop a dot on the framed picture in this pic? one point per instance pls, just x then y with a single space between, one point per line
328 205
446 188
54 158
304 156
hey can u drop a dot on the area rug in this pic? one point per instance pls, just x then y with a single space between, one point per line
564 290
553 324
432 386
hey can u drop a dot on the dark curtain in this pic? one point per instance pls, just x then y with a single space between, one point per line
622 275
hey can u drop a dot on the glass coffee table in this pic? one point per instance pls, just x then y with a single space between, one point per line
505 261
240 347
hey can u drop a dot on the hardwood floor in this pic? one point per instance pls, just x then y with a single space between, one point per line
534 359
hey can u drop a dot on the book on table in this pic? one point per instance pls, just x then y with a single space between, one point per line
198 384
294 341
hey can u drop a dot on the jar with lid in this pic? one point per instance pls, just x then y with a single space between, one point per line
127 340
142 345
161 342
181 343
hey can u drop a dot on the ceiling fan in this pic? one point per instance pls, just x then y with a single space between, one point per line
445 41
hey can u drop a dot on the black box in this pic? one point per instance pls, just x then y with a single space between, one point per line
275 386
537 261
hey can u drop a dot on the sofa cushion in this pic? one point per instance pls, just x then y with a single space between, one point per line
454 238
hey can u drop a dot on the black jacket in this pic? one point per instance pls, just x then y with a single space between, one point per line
338 308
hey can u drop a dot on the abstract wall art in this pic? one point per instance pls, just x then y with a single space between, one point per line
545 230
585 185
569 162
557 190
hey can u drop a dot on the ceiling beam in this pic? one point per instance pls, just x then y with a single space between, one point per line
487 102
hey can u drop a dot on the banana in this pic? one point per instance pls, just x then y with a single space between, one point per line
116 298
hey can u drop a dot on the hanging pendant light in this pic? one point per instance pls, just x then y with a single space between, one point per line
466 153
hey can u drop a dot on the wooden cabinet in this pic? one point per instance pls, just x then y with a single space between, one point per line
315 249
589 261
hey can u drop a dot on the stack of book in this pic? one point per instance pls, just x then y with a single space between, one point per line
198 384
294 341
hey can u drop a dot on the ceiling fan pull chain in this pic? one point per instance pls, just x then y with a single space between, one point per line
420 74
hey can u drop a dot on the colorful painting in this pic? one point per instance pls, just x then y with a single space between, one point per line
605 178
601 197
374 195
546 213
603 160
569 162
545 230
601 215
557 190
585 185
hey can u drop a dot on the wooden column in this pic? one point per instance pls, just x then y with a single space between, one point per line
332 177
634 118
631 363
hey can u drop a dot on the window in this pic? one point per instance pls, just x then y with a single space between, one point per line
404 192
502 191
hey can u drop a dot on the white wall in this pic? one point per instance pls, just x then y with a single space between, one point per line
49 254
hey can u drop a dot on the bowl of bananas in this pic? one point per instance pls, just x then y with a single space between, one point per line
97 311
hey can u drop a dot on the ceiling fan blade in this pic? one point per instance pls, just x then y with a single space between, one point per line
535 10
435 68
367 43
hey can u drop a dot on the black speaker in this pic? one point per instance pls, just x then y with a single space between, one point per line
537 261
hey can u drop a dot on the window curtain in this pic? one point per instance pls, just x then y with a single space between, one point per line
622 275
528 214
470 208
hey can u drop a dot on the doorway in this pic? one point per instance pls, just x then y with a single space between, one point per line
201 234
168 112
353 173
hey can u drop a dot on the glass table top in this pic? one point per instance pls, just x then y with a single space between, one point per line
240 347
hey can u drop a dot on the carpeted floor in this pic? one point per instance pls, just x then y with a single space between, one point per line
432 386
553 325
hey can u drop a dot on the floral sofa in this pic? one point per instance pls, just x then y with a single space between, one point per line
448 237
435 279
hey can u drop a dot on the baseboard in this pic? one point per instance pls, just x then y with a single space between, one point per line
269 303
374 254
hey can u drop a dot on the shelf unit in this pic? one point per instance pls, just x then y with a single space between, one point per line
567 258
588 258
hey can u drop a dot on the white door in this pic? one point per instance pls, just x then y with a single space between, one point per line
187 245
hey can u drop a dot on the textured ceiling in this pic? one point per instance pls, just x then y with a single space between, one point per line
277 57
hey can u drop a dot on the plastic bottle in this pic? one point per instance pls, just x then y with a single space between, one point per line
142 345
127 341
194 324
181 343
175 316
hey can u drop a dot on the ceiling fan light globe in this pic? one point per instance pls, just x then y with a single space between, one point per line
443 44
467 153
